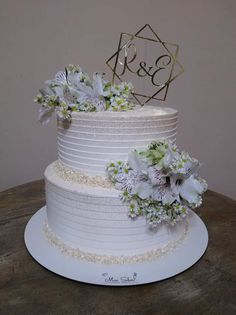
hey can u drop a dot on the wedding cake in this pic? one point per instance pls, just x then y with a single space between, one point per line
120 190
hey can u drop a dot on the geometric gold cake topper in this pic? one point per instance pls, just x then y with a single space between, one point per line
148 62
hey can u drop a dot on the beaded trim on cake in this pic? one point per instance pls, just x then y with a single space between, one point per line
76 176
112 259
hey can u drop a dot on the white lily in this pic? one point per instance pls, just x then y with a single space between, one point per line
137 163
93 91
60 78
142 186
47 90
167 194
74 79
92 94
59 91
45 114
70 95
191 189
184 166
97 85
167 159
169 197
156 176
143 189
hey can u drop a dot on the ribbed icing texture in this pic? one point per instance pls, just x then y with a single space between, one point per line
94 139
95 220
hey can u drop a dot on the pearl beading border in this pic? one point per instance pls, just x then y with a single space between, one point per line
112 259
75 176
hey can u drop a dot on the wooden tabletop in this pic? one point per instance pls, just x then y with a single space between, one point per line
209 287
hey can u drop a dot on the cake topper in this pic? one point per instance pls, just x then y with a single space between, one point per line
148 62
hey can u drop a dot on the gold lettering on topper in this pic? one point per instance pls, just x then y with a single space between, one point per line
130 55
126 60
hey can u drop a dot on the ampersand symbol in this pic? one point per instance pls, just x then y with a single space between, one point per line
143 65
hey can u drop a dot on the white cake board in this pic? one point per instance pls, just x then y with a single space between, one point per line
181 258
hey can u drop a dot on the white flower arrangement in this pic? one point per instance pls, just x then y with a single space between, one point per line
160 183
73 90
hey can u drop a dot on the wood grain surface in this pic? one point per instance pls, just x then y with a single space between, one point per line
209 287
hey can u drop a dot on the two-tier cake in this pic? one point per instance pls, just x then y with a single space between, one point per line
121 191
85 211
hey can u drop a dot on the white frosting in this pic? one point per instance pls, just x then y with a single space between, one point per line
77 253
84 213
95 220
94 139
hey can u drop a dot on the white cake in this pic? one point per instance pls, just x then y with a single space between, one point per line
85 216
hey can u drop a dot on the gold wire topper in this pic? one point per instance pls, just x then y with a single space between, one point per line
148 62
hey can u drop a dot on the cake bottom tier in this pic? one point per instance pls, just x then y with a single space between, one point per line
92 223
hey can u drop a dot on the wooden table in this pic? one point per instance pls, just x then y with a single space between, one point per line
26 287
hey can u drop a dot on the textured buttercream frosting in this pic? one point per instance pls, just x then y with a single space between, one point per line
86 217
92 140
148 255
95 220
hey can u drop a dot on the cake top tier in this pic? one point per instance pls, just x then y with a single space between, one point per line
138 112
93 139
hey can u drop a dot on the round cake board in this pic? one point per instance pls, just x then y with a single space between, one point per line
179 259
